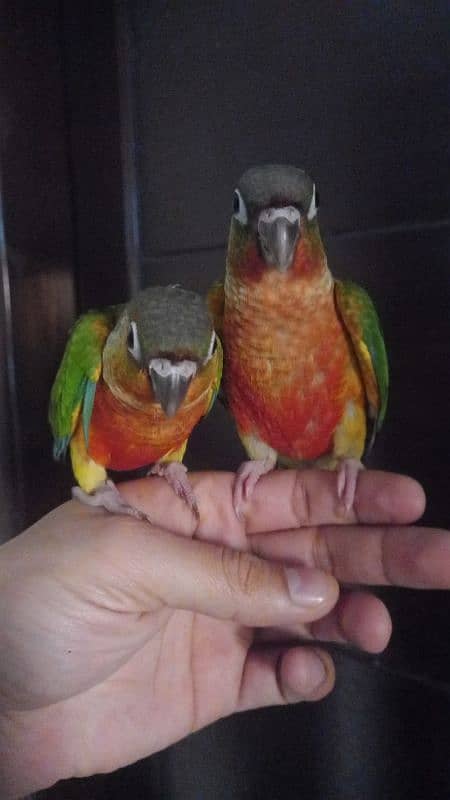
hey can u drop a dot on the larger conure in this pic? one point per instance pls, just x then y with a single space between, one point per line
306 373
133 382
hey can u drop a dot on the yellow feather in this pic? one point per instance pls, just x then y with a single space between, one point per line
350 434
88 473
175 455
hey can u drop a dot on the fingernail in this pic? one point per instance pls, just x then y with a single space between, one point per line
310 679
307 587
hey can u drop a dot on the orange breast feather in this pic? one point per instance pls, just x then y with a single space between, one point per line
290 371
123 438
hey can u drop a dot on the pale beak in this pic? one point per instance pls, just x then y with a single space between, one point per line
279 232
171 381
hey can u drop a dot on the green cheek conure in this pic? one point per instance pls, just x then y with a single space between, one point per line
133 382
305 366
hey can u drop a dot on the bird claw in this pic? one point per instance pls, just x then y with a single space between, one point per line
347 477
175 474
107 496
247 476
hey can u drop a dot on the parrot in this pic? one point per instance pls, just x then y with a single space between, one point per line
133 382
305 366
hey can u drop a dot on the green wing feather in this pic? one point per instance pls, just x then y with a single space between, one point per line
73 391
363 327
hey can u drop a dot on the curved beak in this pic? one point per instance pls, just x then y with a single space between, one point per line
279 232
171 382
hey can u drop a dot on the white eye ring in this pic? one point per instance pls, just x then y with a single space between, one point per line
134 348
210 348
239 209
312 210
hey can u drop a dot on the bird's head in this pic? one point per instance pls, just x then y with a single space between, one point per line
162 340
274 221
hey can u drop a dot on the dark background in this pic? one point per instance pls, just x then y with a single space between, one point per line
123 129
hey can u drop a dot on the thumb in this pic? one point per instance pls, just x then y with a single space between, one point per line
161 567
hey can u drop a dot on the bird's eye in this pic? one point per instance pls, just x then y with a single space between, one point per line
133 345
239 209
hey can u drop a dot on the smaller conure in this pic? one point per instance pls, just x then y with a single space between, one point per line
133 382
305 366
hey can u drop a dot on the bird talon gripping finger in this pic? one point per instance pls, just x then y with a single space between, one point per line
305 367
247 476
347 476
107 496
133 382
175 474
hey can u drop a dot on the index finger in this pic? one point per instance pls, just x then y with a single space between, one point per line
282 500
289 499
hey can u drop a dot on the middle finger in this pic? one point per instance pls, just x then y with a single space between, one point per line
413 557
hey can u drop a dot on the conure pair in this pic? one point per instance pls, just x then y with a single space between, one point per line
305 366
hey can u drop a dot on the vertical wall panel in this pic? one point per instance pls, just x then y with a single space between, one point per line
11 484
91 101
38 232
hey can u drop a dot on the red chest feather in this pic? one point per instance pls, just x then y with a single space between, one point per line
289 370
122 438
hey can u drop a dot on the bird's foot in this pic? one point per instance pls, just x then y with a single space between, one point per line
347 476
175 474
247 476
108 496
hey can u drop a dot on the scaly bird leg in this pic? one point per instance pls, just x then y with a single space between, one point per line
247 476
175 474
108 496
347 476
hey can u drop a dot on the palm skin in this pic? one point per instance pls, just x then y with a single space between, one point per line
119 639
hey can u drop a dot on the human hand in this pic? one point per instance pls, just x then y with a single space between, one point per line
119 638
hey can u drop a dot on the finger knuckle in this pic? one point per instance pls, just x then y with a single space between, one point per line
301 501
242 571
323 556
387 571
